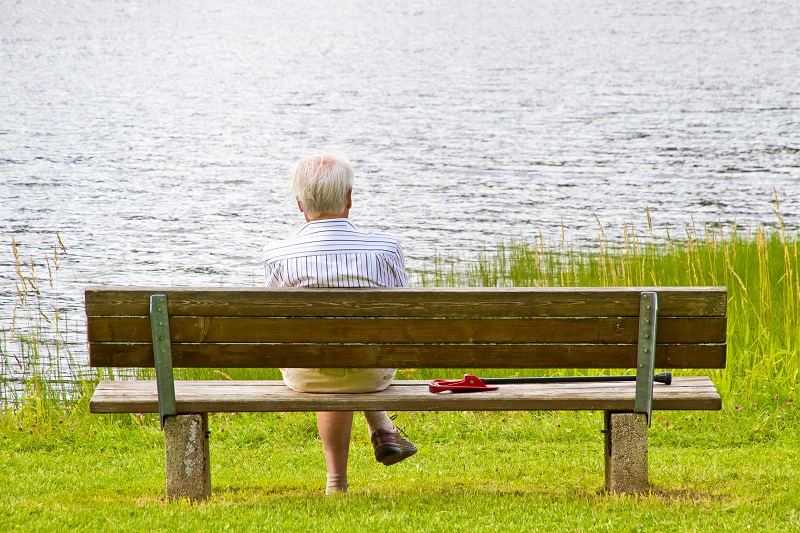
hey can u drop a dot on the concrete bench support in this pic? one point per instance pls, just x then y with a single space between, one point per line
626 452
187 458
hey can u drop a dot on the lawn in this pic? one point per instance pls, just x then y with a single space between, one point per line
733 470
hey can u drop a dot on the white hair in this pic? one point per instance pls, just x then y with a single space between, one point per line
321 183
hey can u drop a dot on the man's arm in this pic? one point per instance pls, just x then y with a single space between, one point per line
274 274
398 265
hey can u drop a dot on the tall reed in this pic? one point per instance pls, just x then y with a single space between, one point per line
759 267
39 375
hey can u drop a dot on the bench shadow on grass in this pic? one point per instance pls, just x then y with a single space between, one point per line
451 492
685 496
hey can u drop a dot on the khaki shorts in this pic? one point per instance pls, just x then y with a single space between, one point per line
338 380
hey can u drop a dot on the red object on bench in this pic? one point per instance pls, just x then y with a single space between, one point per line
470 383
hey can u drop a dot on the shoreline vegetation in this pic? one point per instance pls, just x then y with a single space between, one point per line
760 268
731 470
40 369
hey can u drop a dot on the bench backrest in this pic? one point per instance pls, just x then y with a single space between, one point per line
407 328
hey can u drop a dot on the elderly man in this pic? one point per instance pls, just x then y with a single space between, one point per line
330 252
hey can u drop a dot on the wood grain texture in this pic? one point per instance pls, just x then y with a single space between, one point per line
408 355
440 328
613 330
483 301
685 393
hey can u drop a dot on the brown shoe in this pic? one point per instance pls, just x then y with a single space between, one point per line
391 447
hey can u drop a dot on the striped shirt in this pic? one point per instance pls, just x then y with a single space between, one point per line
333 253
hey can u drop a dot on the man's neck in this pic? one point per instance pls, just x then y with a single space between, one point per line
326 217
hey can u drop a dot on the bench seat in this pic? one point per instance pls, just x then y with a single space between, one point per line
685 393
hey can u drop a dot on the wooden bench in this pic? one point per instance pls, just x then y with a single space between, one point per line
507 328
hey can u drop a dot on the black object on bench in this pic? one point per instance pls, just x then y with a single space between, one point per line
510 328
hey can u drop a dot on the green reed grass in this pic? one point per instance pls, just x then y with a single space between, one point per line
759 268
40 377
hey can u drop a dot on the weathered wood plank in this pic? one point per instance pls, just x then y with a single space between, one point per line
600 301
408 355
613 330
685 393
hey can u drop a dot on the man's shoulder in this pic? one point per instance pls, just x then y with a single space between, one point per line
378 236
317 239
354 237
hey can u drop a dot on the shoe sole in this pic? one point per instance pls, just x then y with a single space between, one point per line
391 455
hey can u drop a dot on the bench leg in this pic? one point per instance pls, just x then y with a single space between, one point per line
626 452
187 459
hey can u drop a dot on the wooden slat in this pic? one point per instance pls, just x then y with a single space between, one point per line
409 355
406 330
508 302
690 393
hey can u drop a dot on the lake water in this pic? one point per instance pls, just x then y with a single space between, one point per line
156 137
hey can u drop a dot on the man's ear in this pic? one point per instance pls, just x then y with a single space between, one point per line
299 206
349 198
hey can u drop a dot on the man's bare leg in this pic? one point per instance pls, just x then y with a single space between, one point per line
335 428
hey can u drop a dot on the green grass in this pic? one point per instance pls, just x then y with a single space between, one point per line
720 471
733 470
760 270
